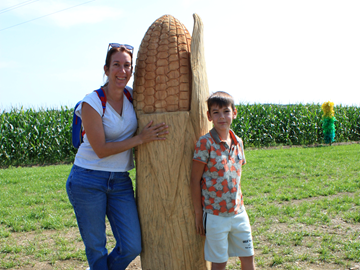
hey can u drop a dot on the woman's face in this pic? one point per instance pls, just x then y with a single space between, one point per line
119 71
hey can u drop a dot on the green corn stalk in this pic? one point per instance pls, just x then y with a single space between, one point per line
36 137
44 136
265 125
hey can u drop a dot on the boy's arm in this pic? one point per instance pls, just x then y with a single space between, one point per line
196 174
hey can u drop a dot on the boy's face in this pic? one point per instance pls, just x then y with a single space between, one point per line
221 117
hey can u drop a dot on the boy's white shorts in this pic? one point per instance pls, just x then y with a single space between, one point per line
227 237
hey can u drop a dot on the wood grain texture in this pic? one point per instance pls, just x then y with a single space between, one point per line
164 202
200 85
163 92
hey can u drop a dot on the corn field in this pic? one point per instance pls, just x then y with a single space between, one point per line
36 137
44 136
270 125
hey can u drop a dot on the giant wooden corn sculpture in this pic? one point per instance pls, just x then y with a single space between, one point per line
167 90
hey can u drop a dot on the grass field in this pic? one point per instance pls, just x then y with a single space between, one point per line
303 204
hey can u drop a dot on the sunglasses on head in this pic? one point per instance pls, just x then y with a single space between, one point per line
118 45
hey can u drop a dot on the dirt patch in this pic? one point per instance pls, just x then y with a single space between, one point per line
31 261
53 250
33 248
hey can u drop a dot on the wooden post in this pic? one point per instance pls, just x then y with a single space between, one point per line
164 91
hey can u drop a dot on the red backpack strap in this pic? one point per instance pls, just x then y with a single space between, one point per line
128 95
102 96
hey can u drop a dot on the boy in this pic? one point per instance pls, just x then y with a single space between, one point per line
215 185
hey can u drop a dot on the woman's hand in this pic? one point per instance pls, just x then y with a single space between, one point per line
93 126
153 133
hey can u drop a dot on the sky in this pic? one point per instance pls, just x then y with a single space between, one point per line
260 51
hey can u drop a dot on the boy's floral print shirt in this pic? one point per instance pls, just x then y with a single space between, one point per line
220 183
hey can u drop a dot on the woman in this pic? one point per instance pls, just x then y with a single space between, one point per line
99 182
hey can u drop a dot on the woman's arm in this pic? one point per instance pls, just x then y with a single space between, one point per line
196 174
93 126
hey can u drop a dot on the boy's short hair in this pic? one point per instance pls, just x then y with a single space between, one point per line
220 99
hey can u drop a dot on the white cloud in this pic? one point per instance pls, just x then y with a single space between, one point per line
64 13
9 64
73 75
188 3
91 14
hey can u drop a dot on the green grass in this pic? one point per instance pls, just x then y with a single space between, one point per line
37 221
303 204
34 198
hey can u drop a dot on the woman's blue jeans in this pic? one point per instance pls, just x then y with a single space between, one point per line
95 194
